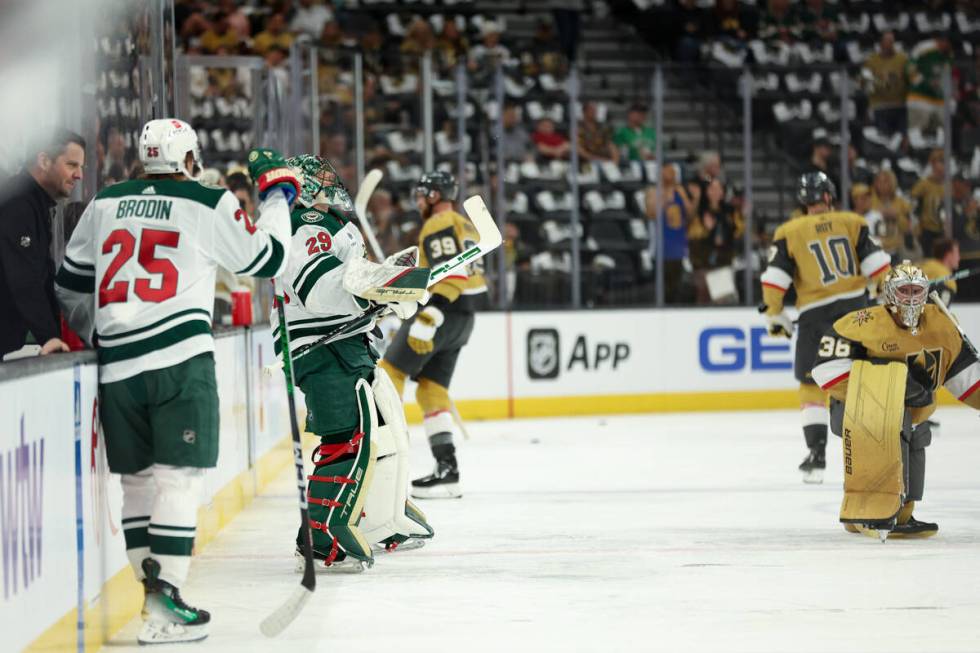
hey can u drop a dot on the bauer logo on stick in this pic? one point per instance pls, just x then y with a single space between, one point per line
543 354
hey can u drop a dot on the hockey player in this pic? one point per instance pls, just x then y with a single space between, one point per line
828 256
138 283
427 347
882 366
362 462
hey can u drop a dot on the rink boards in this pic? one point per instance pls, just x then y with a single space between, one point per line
516 365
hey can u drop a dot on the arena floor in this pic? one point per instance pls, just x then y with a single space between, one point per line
642 533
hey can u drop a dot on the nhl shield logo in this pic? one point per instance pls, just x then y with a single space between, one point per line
190 436
543 354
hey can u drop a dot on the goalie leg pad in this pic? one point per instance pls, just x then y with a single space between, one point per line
336 491
916 440
873 469
387 510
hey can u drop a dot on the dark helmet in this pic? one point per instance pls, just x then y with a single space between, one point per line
812 187
438 180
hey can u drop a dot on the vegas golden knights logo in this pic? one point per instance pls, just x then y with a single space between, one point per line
931 360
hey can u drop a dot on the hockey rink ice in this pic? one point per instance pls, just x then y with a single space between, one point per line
680 532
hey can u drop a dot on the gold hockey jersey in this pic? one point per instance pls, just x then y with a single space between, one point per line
826 256
443 236
871 333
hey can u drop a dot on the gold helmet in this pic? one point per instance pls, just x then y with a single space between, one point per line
905 292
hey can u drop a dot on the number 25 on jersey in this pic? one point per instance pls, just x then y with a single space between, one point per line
124 244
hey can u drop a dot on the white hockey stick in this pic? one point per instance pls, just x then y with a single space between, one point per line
364 192
490 239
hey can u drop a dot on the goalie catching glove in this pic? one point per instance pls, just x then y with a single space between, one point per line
399 286
269 170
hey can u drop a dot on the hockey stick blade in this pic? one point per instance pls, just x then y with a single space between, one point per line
364 192
277 622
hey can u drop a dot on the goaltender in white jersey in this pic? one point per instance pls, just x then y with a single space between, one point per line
138 283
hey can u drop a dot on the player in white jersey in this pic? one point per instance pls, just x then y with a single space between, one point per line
361 466
138 283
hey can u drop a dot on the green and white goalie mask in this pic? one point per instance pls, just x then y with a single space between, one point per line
322 185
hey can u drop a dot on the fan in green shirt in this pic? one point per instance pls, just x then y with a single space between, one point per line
638 138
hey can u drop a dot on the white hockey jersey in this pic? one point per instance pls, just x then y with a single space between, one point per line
316 301
140 268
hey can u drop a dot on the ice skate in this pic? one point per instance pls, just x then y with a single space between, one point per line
340 565
398 543
813 466
443 483
914 528
167 619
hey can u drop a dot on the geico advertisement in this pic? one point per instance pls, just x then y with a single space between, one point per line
645 351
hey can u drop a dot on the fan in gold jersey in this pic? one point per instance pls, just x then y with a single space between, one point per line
828 256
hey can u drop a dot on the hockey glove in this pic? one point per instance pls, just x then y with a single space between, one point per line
918 387
780 325
270 171
423 330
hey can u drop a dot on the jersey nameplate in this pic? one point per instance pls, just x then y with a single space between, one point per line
148 208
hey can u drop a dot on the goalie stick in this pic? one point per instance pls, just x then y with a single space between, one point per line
276 622
364 192
490 240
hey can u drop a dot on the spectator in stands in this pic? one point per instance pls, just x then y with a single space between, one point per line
818 22
709 169
674 212
820 159
310 17
944 261
966 219
689 29
27 203
451 46
221 36
885 71
381 208
595 141
485 55
236 17
638 139
966 120
190 19
550 143
418 40
723 227
857 169
373 50
862 204
274 34
240 186
778 22
516 143
115 152
925 72
928 195
732 23
895 236
543 54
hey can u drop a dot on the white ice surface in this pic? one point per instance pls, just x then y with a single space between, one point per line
634 533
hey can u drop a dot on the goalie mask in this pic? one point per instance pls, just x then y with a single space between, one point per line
905 292
164 145
322 184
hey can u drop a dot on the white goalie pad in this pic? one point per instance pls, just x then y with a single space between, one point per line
387 507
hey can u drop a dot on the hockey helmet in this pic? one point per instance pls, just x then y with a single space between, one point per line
813 186
905 292
438 180
321 184
164 144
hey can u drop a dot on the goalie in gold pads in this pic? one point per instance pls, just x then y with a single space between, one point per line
828 256
882 367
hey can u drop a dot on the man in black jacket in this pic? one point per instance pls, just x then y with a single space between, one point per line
27 202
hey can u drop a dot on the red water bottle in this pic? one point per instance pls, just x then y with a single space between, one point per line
241 307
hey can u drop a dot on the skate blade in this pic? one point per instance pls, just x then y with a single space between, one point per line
813 477
445 491
153 633
408 545
880 534
344 567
